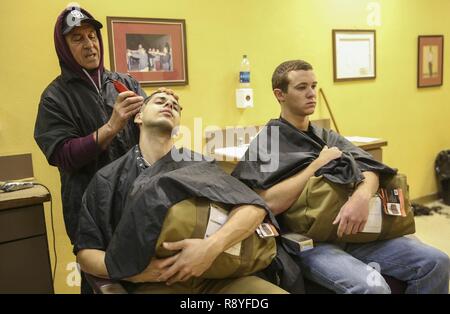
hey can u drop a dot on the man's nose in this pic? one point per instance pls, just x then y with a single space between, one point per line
88 43
311 92
170 104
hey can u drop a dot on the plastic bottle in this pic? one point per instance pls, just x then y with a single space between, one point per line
244 73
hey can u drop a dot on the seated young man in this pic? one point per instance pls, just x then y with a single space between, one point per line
125 205
306 151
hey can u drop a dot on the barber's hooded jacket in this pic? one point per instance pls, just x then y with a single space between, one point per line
125 204
72 107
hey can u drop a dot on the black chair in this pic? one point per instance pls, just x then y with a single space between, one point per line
442 168
104 286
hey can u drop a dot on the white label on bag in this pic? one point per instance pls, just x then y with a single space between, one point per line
235 249
217 218
375 218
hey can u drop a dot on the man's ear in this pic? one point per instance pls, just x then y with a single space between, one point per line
279 95
138 118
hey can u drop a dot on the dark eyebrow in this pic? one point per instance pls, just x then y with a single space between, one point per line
305 83
165 98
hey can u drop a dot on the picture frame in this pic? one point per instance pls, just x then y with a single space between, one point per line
430 64
151 50
354 54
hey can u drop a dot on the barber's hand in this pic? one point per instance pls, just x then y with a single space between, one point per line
353 215
127 106
195 258
154 270
327 155
168 91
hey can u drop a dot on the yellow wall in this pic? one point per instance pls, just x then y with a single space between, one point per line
413 121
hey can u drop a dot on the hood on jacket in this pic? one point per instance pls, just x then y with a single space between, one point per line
65 56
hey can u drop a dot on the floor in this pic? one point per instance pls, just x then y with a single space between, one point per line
433 230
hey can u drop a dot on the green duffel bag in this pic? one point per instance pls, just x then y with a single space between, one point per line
320 202
189 219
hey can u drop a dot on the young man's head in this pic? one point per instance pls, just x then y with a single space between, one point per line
161 111
294 85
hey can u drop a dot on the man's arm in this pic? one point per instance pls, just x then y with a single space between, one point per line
127 106
197 255
282 195
93 262
90 245
74 153
353 215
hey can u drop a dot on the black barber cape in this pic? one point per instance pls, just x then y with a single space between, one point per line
126 218
296 149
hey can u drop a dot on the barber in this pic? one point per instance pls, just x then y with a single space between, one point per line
83 122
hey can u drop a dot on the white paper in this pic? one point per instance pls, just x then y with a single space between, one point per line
217 218
235 249
353 58
361 139
375 218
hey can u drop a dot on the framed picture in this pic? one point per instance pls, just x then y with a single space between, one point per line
153 51
354 54
430 64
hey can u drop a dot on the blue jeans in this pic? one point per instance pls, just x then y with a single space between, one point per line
356 268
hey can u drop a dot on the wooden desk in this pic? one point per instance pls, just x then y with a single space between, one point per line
232 136
24 257
374 148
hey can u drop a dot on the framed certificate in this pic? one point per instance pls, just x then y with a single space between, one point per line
354 54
